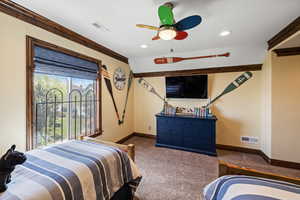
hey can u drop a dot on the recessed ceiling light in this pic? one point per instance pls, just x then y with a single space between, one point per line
144 46
225 33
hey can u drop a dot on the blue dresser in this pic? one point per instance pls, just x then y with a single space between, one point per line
187 133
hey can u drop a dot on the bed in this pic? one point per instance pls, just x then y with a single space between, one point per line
79 169
240 183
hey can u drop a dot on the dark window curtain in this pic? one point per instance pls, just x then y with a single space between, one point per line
52 62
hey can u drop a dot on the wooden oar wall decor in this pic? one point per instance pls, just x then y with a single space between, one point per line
233 85
145 84
130 79
108 84
170 60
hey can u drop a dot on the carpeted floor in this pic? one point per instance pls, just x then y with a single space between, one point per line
179 175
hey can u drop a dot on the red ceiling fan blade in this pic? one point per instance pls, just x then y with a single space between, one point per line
156 37
181 35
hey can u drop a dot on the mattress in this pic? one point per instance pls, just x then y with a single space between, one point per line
72 170
250 188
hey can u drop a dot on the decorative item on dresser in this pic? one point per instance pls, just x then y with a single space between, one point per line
188 133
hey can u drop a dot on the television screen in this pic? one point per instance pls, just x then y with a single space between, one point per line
187 87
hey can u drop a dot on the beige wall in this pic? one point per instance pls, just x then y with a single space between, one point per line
13 81
239 113
265 107
280 135
285 108
266 136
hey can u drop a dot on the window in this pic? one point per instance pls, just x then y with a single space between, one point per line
63 94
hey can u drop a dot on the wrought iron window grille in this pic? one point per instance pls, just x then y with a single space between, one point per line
60 117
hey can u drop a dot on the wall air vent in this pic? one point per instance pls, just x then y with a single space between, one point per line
249 140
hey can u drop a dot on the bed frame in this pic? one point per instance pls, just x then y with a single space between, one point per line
130 148
231 169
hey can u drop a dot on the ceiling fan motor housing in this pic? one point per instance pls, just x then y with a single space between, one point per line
169 4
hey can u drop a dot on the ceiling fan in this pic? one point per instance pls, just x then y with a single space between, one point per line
170 29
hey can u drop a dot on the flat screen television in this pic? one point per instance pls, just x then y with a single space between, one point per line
194 87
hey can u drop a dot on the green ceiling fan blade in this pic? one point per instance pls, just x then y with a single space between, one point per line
165 14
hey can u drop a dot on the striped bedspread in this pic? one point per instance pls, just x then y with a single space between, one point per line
72 170
250 188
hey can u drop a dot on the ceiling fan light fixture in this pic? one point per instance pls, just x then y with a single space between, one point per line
167 33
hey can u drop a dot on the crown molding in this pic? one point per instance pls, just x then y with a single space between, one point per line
15 10
288 51
240 68
285 33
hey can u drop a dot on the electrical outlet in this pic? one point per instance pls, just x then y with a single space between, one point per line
149 128
249 140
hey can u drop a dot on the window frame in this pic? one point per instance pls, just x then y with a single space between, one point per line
30 43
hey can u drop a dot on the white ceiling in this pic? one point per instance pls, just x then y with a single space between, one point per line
252 23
